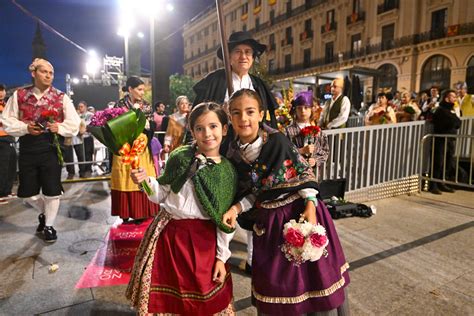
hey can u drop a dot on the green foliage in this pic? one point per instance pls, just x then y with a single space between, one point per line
181 85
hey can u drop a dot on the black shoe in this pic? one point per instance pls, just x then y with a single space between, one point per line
49 234
435 190
445 188
248 268
42 223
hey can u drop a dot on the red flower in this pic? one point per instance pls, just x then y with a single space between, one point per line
287 163
49 115
290 173
318 240
294 237
310 131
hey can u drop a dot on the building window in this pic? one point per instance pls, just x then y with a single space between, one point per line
288 9
288 34
355 6
307 58
257 3
271 65
257 24
287 63
214 64
387 5
214 26
436 71
245 9
244 27
271 41
308 25
388 79
439 22
356 45
206 31
330 17
388 34
329 53
272 16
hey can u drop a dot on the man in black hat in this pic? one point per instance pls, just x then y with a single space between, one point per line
243 50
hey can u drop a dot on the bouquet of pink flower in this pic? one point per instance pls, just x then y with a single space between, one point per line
304 241
120 131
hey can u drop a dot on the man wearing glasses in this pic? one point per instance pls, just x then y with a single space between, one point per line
243 50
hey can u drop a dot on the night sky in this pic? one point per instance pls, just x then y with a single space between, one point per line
92 24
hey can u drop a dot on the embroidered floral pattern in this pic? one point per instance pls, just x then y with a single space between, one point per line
30 109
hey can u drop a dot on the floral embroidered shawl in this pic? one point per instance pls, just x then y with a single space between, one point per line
279 168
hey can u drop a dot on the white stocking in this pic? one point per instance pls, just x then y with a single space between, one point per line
249 247
51 208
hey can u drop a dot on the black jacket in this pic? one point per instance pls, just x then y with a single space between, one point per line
214 87
444 120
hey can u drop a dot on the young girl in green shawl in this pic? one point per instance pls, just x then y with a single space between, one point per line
180 265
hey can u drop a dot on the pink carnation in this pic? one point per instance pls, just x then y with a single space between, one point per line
294 237
318 240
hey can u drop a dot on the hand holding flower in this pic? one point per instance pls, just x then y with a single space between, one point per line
308 150
53 127
138 175
34 129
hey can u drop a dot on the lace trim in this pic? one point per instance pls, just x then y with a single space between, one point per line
305 296
282 202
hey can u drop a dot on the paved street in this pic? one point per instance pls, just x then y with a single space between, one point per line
413 258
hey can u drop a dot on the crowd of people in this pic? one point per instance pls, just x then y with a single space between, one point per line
215 163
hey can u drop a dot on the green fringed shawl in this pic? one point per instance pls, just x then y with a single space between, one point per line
215 184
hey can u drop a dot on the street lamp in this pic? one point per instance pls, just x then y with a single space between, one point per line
93 63
150 9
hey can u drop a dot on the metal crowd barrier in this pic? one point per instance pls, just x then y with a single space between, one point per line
463 152
383 160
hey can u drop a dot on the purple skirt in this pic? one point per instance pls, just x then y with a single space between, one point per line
281 288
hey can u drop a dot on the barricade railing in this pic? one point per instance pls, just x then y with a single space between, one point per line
383 160
451 151
355 121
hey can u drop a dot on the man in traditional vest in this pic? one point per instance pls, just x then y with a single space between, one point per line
35 114
465 100
336 110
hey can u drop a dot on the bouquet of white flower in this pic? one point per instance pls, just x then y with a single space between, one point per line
304 241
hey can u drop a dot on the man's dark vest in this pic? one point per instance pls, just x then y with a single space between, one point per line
333 112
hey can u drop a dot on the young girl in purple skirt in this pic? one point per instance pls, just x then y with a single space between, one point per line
276 184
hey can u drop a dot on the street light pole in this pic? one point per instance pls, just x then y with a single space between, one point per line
127 61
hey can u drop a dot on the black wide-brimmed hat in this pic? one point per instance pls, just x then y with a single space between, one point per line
238 38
